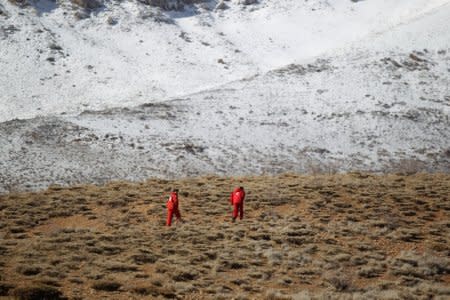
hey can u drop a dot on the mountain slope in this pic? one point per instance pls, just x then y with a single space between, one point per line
376 99
353 236
52 62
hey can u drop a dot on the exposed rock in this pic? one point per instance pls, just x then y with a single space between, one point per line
81 14
11 29
19 3
171 4
3 11
248 2
111 21
416 58
221 5
88 4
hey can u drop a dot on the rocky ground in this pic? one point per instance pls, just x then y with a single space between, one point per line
353 236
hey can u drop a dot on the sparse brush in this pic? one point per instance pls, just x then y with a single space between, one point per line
33 292
29 270
5 287
353 224
276 295
106 285
370 271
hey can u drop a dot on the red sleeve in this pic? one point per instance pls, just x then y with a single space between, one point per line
169 203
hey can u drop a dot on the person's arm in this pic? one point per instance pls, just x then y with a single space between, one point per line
169 203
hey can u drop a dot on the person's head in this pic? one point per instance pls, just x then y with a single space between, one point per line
175 191
241 188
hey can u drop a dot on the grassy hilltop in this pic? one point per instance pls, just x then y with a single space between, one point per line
346 235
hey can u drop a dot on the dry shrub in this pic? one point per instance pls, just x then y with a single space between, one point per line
105 249
435 266
370 271
76 280
119 267
274 257
48 282
144 258
341 257
358 261
38 292
17 229
29 270
155 291
5 288
340 282
275 295
106 285
146 290
185 275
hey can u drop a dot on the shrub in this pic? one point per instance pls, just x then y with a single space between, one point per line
5 288
118 267
40 292
184 276
340 283
106 285
144 258
28 270
155 291
370 271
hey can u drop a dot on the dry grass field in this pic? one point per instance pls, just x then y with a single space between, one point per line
351 236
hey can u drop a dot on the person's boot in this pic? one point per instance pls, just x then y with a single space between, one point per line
233 220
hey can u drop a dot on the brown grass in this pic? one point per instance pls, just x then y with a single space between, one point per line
330 236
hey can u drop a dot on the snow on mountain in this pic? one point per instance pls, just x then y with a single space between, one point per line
133 91
52 62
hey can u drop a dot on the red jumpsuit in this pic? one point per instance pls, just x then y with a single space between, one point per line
172 208
237 200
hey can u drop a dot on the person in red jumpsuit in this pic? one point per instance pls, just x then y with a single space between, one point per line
237 200
172 207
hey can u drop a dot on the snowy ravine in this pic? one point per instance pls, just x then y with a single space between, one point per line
134 92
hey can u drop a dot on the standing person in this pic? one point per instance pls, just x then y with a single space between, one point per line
172 207
237 200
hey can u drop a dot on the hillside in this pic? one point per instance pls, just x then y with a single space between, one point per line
354 236
57 57
334 115
132 90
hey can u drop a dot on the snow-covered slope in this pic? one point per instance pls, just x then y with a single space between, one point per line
265 88
51 62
